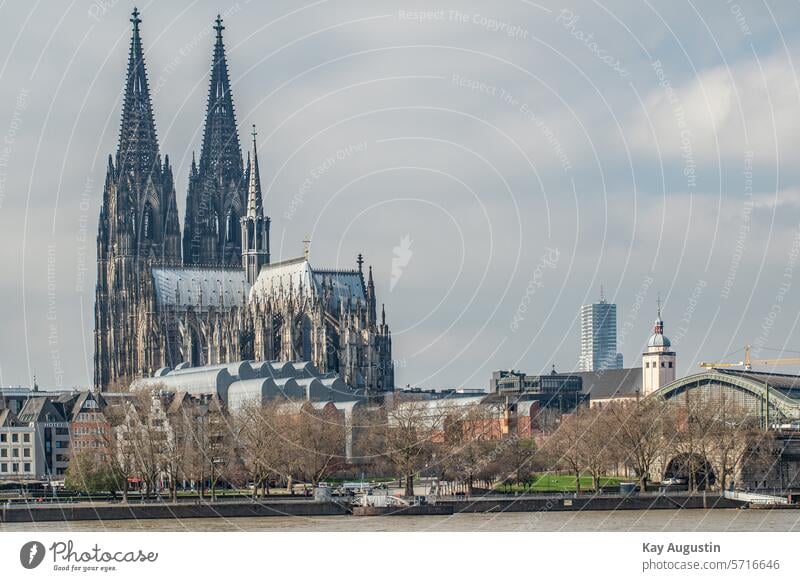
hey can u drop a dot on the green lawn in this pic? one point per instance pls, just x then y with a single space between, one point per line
559 483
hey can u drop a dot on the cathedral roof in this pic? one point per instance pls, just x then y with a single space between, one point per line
200 287
297 275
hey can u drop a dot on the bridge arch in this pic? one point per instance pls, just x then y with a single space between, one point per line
694 469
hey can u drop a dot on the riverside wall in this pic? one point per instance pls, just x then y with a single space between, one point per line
77 511
487 504
576 503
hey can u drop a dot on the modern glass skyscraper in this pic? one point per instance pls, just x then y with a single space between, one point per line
599 337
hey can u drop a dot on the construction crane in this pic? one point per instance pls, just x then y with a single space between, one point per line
748 362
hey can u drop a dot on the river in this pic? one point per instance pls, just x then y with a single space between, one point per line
716 520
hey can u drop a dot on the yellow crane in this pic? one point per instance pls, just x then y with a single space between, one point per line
748 362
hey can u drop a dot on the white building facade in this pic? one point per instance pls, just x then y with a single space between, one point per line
658 360
599 337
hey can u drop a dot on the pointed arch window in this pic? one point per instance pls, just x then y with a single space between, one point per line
196 353
215 224
147 222
230 227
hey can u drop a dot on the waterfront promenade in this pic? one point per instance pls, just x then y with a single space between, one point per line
305 507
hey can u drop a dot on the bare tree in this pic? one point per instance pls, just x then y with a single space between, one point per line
515 459
145 433
596 447
692 426
638 437
563 447
738 441
468 434
406 440
317 441
120 455
178 442
260 441
214 450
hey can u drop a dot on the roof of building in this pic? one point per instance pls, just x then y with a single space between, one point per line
610 383
81 400
38 409
200 287
347 285
298 276
786 383
658 340
7 418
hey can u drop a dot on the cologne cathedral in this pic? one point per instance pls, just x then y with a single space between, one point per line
213 295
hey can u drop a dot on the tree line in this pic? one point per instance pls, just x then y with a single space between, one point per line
162 446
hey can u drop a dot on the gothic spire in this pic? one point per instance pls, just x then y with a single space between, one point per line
371 296
254 203
138 143
220 154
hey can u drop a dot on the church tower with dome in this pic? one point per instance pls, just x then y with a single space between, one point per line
658 360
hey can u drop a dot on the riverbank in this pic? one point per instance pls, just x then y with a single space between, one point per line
68 512
164 510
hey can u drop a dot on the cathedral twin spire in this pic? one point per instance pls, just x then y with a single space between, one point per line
221 154
138 144
216 196
139 215
225 226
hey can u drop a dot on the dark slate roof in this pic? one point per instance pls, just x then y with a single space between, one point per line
7 418
36 408
65 402
787 384
80 401
612 382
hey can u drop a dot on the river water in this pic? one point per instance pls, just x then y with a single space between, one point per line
623 520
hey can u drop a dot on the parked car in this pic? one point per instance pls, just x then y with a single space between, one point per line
675 481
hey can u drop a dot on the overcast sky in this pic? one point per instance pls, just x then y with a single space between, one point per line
496 162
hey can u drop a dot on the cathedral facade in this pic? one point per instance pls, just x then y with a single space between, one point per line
214 295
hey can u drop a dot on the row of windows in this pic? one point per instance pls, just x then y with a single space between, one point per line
90 417
89 444
89 431
663 364
15 438
26 452
26 467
